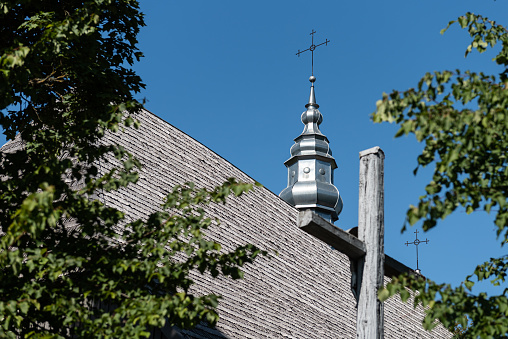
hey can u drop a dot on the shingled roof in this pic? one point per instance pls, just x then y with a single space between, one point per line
301 291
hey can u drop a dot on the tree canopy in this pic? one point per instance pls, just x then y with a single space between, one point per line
461 117
66 81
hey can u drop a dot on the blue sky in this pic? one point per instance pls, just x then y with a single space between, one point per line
226 73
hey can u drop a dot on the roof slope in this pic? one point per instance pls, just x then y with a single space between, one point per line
303 291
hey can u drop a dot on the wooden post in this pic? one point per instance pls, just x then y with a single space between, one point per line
369 320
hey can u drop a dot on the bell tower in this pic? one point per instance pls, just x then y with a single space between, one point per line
311 166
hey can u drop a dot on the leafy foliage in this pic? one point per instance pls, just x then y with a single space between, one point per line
69 265
91 283
462 118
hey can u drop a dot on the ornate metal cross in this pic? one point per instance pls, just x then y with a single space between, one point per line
416 243
312 48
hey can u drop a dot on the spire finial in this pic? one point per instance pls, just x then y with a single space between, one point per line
312 97
312 48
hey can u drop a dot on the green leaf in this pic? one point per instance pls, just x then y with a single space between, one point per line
383 294
469 284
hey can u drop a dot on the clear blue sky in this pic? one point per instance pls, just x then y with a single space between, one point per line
226 73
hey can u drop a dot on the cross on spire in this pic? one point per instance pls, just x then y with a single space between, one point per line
416 243
312 48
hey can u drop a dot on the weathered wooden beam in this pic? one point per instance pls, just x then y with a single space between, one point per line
369 319
339 239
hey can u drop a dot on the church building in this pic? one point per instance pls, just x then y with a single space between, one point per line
318 281
306 287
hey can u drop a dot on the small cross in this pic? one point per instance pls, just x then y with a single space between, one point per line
312 48
416 243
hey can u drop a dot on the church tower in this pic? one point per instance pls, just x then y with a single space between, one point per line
311 166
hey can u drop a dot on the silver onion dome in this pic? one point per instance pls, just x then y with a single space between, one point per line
310 168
